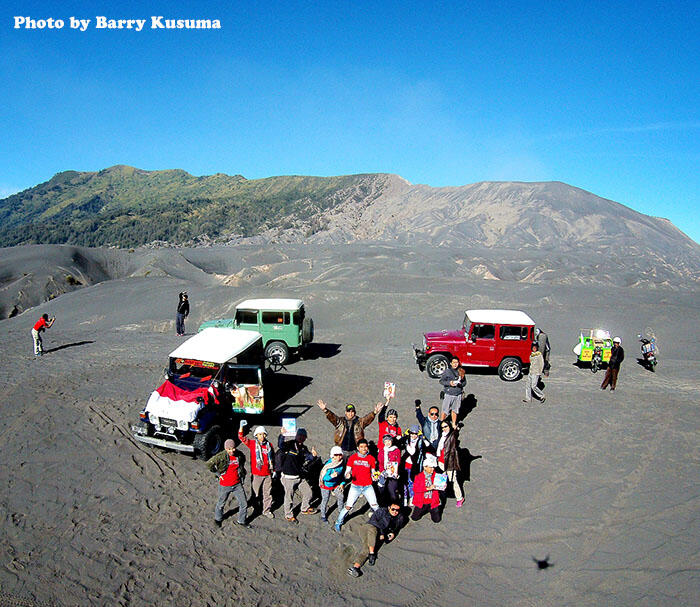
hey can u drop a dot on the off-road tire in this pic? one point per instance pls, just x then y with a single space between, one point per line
209 443
594 366
436 365
510 369
277 352
307 330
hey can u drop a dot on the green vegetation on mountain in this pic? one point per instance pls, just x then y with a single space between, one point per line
127 207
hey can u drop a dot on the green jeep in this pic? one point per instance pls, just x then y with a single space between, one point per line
283 324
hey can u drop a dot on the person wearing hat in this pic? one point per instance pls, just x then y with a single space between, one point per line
617 355
295 458
412 458
426 498
262 457
534 375
228 467
332 481
350 428
388 424
389 459
183 311
383 526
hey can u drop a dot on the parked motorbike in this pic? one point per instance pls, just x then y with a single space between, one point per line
649 352
597 358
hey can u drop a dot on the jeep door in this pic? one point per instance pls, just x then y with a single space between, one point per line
481 345
247 319
277 325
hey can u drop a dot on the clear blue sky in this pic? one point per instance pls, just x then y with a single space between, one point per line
601 95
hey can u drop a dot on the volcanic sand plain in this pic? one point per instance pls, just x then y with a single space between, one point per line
606 485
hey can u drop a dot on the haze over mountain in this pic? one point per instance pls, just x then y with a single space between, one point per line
510 231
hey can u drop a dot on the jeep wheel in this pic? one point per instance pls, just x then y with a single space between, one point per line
510 369
276 352
209 443
436 365
307 330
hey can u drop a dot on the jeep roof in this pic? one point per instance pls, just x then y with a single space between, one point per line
502 317
270 304
216 344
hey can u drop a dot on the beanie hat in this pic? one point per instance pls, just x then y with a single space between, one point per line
301 432
260 430
229 444
336 451
430 461
392 412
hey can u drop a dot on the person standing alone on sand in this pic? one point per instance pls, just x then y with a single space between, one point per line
453 384
183 311
617 355
534 374
41 325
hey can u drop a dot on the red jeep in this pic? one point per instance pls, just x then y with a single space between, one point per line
488 338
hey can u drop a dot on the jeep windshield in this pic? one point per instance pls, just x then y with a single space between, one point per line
196 369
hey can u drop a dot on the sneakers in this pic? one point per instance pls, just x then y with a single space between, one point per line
354 571
310 511
337 527
217 523
268 514
544 398
525 400
291 519
243 524
460 503
324 519
372 559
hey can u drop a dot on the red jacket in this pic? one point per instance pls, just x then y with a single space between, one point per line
386 428
267 454
394 456
421 497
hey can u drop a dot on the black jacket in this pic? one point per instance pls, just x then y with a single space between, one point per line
382 520
617 355
183 307
294 458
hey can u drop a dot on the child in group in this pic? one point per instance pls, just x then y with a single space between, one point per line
332 481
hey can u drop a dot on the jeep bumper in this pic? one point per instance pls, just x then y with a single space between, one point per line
420 356
141 434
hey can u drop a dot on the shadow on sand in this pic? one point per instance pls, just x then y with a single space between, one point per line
64 346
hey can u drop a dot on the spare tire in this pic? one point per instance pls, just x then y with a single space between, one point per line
307 330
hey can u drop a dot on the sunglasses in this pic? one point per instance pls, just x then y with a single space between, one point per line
445 426
393 509
433 414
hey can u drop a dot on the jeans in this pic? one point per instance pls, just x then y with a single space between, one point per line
353 495
325 496
180 323
239 493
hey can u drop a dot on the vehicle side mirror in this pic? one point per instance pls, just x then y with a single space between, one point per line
473 339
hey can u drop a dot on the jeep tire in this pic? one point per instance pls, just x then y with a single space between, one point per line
510 369
307 330
209 443
277 352
436 365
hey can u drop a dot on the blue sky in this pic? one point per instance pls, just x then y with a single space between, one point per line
603 96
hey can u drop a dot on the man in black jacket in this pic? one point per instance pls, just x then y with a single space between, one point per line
382 526
183 311
293 460
617 355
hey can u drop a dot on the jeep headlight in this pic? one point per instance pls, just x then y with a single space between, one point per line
425 344
153 419
182 424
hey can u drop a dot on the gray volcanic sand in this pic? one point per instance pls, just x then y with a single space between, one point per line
605 484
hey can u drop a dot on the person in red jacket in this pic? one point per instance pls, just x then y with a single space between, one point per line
228 468
41 325
389 458
388 425
262 456
426 498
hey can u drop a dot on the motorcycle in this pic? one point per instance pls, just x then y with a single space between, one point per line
596 359
649 352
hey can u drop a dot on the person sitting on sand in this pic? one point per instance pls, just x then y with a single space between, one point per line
332 481
262 457
383 526
227 466
349 430
295 457
426 498
360 469
41 325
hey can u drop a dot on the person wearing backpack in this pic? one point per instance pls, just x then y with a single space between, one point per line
292 461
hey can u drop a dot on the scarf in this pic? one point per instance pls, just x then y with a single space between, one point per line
259 460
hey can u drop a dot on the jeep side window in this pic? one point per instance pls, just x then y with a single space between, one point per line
275 318
246 317
484 332
513 333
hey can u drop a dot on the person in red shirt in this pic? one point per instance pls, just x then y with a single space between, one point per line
426 498
262 456
41 325
360 469
389 425
227 466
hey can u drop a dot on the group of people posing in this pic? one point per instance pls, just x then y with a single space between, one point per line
404 470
